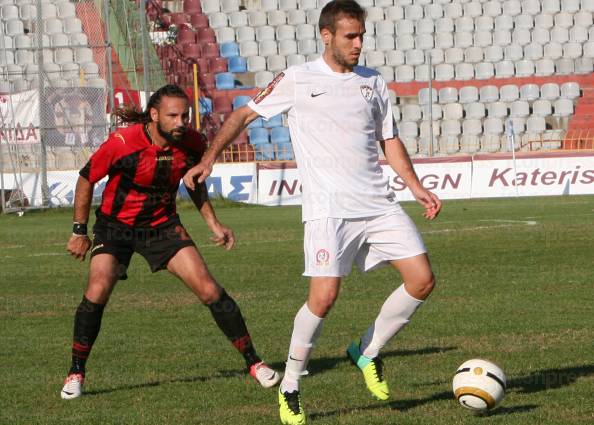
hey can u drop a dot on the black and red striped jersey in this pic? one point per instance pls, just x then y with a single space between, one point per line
143 178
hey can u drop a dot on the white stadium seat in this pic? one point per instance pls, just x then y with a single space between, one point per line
463 39
464 24
218 20
549 91
263 78
239 18
404 73
435 109
464 71
453 111
535 124
248 48
444 25
405 42
553 50
529 92
276 17
511 7
489 93
544 67
584 65
493 126
472 127
256 63
563 107
542 108
424 97
468 94
493 54
504 22
385 42
483 38
570 90
501 38
444 40
394 57
497 110
287 47
444 72
276 63
453 10
257 18
425 128
564 66
572 50
245 34
387 72
583 19
513 52
484 70
450 127
408 129
448 95
265 32
509 93
519 108
296 17
293 60
225 34
411 112
285 32
454 55
374 58
267 48
394 13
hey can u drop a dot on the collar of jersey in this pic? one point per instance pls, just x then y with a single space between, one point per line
326 68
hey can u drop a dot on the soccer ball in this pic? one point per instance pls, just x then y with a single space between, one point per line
479 385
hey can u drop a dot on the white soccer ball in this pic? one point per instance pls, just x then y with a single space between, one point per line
479 385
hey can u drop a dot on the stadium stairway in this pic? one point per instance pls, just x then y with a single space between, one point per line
89 16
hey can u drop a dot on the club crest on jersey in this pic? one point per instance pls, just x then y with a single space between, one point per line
265 92
322 257
367 92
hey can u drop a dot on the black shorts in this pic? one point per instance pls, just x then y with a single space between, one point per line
157 245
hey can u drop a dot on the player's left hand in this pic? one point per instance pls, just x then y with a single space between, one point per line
223 236
429 201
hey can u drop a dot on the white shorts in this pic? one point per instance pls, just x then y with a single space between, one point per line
332 245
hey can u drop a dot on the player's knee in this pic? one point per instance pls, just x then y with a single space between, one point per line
425 286
209 292
322 304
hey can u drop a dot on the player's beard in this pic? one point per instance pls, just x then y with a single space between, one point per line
343 60
169 135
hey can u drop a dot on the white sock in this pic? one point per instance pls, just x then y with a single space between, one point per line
306 329
394 315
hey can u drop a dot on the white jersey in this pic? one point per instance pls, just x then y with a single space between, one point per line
335 120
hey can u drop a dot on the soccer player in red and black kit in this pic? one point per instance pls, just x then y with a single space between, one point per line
145 163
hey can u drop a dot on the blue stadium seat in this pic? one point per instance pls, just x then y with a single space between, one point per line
275 121
205 106
284 151
229 49
257 123
264 152
280 135
239 101
225 81
237 64
258 136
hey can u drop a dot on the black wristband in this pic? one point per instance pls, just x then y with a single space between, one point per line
79 229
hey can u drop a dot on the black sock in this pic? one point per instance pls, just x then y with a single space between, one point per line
228 317
87 322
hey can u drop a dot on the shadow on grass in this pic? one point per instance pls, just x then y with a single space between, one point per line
221 374
319 365
542 380
549 379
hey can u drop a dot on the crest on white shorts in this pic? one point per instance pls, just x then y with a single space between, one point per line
367 92
322 257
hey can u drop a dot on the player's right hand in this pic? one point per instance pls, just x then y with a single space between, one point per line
78 246
197 174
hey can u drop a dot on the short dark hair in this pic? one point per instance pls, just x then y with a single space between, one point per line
333 10
132 115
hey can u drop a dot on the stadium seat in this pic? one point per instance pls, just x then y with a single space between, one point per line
435 109
472 127
509 93
484 70
444 72
264 152
245 34
464 71
564 66
424 98
468 94
225 81
296 17
258 135
426 127
544 67
280 135
474 110
529 92
404 74
239 101
276 63
411 112
256 63
275 121
223 35
221 104
205 105
570 90
284 151
453 111
584 65
237 64
444 40
238 18
263 78
408 129
387 73
228 50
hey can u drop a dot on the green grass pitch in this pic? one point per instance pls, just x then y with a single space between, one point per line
515 285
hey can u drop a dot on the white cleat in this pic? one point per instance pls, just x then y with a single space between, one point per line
72 386
264 374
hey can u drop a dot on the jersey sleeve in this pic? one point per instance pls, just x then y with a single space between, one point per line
100 162
384 121
277 97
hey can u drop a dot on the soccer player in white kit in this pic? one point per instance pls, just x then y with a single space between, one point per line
337 111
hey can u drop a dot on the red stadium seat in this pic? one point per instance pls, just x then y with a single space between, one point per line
192 6
180 18
216 65
198 20
221 103
210 50
206 35
186 36
207 81
191 51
